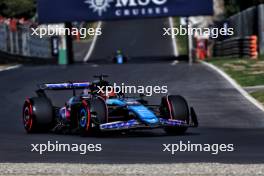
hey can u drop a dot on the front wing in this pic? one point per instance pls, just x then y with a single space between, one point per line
163 122
136 124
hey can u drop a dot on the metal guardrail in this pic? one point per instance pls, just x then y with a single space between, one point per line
237 47
20 42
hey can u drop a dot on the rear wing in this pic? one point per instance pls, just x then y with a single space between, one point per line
64 86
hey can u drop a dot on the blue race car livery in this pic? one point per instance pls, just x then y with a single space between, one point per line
92 112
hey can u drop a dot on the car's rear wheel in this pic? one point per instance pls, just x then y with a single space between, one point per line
92 113
99 110
84 119
37 114
176 108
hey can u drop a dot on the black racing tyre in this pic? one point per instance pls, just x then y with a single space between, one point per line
92 113
84 116
37 114
98 108
176 108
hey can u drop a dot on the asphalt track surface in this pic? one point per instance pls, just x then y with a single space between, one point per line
225 116
140 39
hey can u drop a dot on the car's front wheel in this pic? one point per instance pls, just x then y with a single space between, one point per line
175 107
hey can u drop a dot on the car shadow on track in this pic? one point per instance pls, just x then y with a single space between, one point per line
141 134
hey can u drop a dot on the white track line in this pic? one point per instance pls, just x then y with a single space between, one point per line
235 85
10 68
174 44
90 51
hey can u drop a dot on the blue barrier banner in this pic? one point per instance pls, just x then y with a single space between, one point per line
54 11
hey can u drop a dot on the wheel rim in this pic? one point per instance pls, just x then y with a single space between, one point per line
27 117
83 118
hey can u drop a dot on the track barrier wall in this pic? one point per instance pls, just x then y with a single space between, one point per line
248 38
16 39
261 28
238 47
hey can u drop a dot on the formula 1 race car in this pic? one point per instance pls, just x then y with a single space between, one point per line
119 57
93 113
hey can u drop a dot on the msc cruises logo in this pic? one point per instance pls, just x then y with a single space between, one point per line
99 6
129 7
